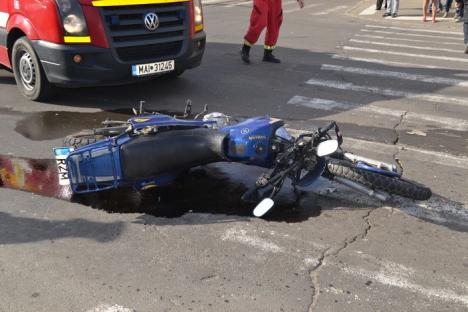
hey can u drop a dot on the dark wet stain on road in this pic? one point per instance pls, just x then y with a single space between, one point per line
53 125
202 190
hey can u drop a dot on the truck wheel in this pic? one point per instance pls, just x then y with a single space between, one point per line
28 72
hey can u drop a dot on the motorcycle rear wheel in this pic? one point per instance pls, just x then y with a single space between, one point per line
391 185
82 138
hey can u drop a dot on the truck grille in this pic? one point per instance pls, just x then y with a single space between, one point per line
131 39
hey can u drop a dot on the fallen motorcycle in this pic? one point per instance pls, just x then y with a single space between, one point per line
152 150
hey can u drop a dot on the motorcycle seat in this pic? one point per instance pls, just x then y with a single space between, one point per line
147 156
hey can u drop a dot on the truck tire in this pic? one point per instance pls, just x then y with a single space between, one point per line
28 71
391 185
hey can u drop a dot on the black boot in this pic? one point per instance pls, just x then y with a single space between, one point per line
245 54
269 57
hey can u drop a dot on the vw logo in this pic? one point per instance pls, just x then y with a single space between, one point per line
151 21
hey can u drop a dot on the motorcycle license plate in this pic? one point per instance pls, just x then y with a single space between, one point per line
61 154
152 68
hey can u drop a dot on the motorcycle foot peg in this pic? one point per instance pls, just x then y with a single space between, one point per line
263 207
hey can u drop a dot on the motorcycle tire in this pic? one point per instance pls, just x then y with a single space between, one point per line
391 185
82 138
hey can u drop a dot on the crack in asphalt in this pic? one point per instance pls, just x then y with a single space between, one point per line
315 271
397 139
314 274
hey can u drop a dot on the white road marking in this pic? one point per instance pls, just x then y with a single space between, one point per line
331 10
397 75
239 3
4 19
328 105
394 278
444 58
428 156
419 30
396 45
110 308
410 40
432 36
240 236
289 3
415 18
304 8
384 62
216 1
349 86
369 11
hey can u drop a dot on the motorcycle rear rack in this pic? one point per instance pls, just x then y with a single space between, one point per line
94 169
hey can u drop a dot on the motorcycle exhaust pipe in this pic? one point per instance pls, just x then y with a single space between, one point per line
372 162
363 189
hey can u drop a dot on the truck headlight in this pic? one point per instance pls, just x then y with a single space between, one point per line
197 15
73 24
73 20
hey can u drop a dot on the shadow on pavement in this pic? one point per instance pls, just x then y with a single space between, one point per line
18 230
214 189
226 85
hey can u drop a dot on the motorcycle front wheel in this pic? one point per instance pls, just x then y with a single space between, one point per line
391 185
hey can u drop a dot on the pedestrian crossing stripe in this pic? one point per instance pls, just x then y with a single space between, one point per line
349 86
435 57
404 46
432 36
398 75
410 40
332 105
417 30
383 62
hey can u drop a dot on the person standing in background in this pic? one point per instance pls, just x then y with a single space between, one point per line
434 10
465 28
392 8
447 6
269 14
459 12
378 5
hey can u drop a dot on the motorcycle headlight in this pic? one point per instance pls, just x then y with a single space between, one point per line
197 15
73 20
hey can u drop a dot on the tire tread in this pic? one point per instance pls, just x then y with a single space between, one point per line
377 181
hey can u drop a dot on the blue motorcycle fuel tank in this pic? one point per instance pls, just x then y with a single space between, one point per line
251 140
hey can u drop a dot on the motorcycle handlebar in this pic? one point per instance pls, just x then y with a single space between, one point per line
331 125
324 130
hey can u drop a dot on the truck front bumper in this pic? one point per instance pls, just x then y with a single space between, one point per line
100 66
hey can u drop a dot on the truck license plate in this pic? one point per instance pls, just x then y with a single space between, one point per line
153 68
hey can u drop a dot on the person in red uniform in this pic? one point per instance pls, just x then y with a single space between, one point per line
269 14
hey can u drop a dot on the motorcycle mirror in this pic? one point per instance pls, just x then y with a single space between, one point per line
263 207
327 147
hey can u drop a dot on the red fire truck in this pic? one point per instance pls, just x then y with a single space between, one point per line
76 43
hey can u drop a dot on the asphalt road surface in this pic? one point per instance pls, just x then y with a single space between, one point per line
399 90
